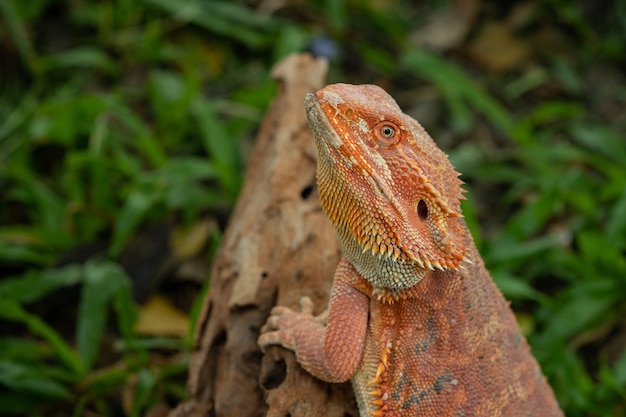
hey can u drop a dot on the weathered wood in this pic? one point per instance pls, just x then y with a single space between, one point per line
277 247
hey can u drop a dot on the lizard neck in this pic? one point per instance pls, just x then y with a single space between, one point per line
384 273
388 276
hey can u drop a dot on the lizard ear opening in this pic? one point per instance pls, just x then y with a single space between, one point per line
422 210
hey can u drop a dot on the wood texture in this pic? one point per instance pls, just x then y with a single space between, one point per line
278 246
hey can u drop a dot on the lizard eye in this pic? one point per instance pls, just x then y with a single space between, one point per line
387 134
387 131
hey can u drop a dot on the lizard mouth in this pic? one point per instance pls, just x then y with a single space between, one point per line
321 126
326 136
333 151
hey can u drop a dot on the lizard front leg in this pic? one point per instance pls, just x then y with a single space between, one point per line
333 352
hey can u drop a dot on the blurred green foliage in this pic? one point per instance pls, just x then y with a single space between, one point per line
118 114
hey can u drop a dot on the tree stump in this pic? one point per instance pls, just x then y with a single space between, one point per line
278 246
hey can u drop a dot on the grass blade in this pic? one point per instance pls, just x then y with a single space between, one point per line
19 377
11 310
18 33
102 280
35 285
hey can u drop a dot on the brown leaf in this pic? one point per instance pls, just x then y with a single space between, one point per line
159 318
187 243
498 49
447 28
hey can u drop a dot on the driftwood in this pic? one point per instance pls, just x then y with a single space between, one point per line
277 247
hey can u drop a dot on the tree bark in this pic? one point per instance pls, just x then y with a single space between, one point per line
277 247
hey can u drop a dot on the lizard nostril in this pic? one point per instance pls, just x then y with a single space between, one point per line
422 210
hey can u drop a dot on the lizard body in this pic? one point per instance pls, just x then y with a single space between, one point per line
414 321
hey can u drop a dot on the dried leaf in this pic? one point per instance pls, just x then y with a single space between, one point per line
188 243
497 49
158 317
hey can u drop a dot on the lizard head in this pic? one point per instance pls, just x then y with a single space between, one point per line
385 185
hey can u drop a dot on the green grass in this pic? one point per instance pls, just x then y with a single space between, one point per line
118 115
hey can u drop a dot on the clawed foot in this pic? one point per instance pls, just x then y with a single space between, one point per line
283 325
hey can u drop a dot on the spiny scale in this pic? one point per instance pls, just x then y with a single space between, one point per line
377 388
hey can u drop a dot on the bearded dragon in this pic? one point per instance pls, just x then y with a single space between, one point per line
415 320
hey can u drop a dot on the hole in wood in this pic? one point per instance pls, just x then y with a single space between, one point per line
306 191
274 374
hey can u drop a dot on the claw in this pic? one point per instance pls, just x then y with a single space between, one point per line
306 305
